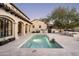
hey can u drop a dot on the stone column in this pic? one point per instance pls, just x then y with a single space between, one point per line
27 28
13 29
16 30
23 29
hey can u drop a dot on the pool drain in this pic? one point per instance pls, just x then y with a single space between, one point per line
34 51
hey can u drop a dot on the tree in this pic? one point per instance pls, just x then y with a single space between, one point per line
65 18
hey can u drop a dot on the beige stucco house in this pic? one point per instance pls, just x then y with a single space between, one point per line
38 26
13 22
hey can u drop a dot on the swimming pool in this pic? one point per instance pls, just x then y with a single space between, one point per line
40 41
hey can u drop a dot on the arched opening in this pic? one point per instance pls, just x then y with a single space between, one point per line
6 27
26 28
20 28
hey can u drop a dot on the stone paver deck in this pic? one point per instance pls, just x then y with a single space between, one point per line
70 47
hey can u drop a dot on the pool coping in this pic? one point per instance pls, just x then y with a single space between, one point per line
24 42
71 47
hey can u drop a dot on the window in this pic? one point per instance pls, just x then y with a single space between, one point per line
40 26
5 27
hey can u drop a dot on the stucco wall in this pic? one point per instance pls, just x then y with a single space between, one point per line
36 24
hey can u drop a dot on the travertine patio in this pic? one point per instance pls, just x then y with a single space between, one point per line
70 47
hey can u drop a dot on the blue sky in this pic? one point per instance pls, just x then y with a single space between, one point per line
41 10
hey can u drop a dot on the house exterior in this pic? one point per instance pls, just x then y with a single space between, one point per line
38 26
13 22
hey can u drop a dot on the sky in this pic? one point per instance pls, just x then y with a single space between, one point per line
42 10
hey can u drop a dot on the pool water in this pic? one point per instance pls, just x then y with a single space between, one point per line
40 41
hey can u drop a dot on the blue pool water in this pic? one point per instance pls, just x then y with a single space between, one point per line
40 41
